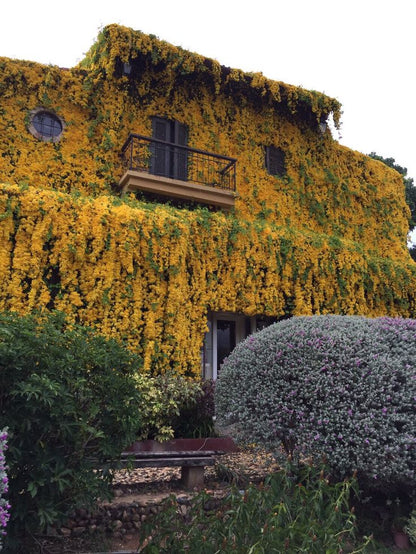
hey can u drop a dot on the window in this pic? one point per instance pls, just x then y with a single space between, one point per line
275 161
169 160
46 125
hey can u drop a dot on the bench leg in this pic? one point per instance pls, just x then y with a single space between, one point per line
192 476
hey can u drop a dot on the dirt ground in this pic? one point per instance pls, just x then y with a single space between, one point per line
159 483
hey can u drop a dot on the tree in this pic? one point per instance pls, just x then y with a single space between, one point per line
69 399
409 188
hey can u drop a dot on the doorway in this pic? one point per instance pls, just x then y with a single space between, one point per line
167 160
226 330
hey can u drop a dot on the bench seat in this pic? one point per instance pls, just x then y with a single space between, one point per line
192 463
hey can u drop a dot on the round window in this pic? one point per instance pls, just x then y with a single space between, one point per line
46 125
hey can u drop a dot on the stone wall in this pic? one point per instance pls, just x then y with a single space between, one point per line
126 514
117 519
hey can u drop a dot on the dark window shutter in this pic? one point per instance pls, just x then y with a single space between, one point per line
165 160
160 128
180 161
275 161
181 134
159 161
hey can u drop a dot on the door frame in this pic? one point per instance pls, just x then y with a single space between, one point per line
240 333
245 325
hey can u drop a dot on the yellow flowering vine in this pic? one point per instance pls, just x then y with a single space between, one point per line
329 236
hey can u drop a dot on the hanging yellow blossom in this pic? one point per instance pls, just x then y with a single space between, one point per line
327 236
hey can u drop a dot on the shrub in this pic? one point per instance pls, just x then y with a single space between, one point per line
4 505
70 401
410 528
165 398
195 419
296 510
339 386
175 406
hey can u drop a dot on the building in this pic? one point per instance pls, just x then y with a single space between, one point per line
179 205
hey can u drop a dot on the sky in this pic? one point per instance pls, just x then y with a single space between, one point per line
361 52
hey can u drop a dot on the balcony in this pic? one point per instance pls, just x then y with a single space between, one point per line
178 172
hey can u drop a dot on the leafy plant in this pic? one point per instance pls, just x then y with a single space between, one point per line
165 399
409 186
4 505
338 386
410 528
71 403
295 510
195 419
175 406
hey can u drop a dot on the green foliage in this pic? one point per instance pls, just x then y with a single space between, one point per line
175 406
164 399
4 505
196 420
70 401
409 186
296 510
410 191
410 528
390 162
339 386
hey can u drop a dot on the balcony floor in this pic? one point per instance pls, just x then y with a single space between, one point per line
173 188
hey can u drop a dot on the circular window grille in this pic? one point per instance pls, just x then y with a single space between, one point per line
46 125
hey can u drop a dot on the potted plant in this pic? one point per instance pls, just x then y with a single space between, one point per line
178 415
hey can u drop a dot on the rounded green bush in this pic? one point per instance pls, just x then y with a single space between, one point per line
342 387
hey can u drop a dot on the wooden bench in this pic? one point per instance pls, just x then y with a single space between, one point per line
191 462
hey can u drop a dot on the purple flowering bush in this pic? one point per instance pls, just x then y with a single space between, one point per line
4 505
343 387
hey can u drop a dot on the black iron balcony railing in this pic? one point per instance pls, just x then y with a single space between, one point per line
175 161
